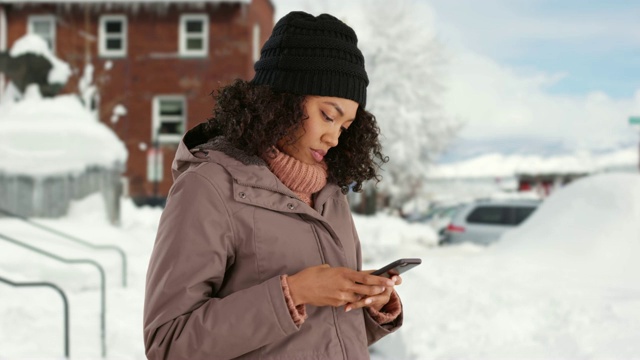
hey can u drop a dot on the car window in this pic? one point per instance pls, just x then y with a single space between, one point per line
491 215
521 213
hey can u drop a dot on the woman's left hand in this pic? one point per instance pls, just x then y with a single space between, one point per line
376 302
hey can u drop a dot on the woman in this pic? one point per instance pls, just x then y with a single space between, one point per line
257 255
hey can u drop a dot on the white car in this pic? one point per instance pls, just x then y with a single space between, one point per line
484 221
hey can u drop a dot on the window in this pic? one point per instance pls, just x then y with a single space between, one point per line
489 215
522 213
45 27
169 118
113 36
256 42
194 35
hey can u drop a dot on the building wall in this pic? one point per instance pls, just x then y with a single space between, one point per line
152 66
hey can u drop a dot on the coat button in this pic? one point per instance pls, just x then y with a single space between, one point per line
242 195
290 206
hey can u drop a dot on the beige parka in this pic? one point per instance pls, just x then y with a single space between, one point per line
229 230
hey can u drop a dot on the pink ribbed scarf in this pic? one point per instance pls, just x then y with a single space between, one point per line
303 179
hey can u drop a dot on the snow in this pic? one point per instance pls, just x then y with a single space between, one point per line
85 86
118 111
31 43
121 1
597 217
562 286
48 136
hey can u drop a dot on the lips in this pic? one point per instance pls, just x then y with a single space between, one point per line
318 155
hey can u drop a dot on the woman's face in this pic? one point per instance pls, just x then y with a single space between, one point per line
326 118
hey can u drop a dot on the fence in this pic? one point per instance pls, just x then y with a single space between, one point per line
50 196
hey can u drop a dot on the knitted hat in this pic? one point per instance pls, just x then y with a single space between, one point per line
309 55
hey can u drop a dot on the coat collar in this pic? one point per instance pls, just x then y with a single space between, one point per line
246 171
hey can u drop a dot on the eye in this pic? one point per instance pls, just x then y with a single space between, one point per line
326 117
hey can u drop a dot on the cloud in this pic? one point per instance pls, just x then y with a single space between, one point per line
507 28
496 101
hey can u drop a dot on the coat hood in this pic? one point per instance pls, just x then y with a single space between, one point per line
196 144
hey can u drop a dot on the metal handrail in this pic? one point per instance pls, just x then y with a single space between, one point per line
74 261
123 255
65 304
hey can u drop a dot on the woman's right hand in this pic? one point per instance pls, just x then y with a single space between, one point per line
334 286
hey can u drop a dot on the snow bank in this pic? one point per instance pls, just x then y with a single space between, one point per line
41 137
591 226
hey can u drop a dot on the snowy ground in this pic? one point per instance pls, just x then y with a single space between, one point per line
564 285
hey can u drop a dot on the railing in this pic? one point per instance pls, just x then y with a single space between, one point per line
123 256
74 261
64 302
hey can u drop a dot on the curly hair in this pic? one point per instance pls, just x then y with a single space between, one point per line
254 118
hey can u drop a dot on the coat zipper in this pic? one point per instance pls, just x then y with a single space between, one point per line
333 309
315 234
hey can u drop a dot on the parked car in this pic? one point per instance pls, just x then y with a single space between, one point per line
438 217
484 221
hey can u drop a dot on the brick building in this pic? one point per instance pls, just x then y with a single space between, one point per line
155 65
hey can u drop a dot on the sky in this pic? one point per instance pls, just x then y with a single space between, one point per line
590 45
530 75
570 292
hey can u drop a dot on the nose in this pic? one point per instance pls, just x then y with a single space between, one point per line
331 137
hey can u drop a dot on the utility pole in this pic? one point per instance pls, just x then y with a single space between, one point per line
635 121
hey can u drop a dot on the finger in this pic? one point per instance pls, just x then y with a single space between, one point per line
359 304
367 279
349 298
397 279
367 289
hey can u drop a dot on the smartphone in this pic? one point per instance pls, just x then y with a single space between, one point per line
397 267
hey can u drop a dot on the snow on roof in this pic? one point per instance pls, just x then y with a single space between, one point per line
499 165
42 137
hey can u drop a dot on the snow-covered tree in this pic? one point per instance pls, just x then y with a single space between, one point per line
31 62
406 66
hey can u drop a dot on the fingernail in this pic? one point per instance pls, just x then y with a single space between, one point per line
347 309
368 301
383 289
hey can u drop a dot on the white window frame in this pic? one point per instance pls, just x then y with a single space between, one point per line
184 36
256 42
52 21
157 119
103 36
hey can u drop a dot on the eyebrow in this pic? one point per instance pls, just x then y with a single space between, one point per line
336 106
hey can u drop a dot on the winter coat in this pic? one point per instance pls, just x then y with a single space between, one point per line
229 230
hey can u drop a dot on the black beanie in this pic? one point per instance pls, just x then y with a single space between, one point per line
308 55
